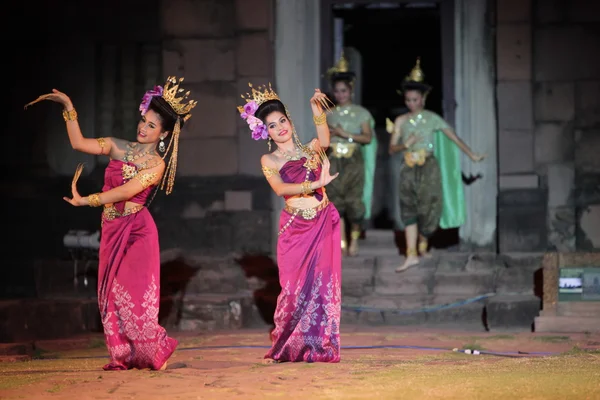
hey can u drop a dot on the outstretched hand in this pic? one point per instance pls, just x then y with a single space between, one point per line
76 200
56 96
478 157
320 103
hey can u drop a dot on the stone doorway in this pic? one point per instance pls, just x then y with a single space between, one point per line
304 50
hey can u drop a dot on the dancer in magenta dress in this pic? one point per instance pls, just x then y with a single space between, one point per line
129 258
307 317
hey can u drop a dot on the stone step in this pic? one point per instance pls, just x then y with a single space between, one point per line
508 311
209 312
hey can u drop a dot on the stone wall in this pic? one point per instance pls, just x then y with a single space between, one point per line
548 95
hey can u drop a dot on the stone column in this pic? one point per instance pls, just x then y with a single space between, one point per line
476 117
297 54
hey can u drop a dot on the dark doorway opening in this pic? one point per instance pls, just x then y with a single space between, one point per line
389 37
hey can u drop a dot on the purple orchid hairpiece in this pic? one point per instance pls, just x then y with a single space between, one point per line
259 130
145 104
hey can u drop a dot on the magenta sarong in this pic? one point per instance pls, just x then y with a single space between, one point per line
129 284
307 317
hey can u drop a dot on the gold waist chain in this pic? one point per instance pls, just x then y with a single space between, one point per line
110 212
343 150
412 158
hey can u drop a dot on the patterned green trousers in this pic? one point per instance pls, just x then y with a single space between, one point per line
346 191
421 196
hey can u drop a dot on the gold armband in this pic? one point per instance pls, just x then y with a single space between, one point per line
269 172
70 115
94 200
321 119
306 189
146 179
101 143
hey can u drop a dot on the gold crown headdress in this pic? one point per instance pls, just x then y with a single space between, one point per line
170 93
259 95
341 66
182 108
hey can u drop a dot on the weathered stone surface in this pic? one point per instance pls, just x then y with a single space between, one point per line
358 277
561 184
208 18
200 60
522 220
519 181
554 142
253 14
513 51
586 151
588 236
515 108
254 51
562 224
516 151
572 42
413 281
588 104
554 101
216 115
513 10
208 157
512 311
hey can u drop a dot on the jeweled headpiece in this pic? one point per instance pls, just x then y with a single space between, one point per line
416 74
172 94
253 100
416 79
341 69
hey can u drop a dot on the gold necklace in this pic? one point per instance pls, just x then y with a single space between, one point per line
289 157
130 157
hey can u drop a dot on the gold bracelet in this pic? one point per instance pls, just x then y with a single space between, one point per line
321 119
70 115
101 143
94 200
306 189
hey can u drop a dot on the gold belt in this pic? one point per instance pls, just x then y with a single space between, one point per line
110 212
343 150
412 158
306 213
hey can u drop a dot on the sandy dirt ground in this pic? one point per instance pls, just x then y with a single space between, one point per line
377 363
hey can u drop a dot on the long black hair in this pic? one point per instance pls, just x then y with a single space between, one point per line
268 107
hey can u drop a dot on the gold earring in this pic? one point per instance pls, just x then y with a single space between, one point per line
269 143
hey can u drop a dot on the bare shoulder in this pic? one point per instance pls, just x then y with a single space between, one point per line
119 144
268 160
401 119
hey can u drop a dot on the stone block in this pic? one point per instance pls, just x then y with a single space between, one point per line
254 55
512 311
583 11
415 281
249 152
252 232
358 276
587 184
588 104
516 151
513 11
515 110
573 44
455 311
549 11
554 101
188 18
562 228
586 151
588 234
463 285
237 200
522 220
519 181
207 157
561 184
216 114
554 143
560 324
518 274
200 60
513 51
253 14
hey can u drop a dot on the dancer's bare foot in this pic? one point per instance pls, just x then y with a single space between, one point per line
410 261
344 248
269 361
164 366
353 250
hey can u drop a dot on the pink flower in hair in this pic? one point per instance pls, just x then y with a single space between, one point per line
249 109
145 104
260 132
